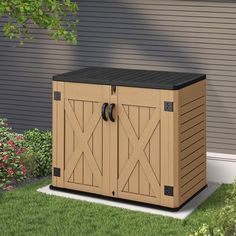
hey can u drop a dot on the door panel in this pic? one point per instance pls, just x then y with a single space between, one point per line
119 159
84 137
139 145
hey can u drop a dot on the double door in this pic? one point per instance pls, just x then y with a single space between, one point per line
108 140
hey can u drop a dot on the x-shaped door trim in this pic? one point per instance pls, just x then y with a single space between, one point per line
139 144
82 145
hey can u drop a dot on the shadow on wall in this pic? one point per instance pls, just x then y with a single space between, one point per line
114 34
25 84
128 35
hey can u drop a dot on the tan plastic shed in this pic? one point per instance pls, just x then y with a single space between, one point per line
130 134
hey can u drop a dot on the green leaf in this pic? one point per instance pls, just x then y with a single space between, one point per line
59 23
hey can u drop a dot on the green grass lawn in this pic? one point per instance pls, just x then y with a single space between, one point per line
24 211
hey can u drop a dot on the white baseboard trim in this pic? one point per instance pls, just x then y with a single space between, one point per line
221 167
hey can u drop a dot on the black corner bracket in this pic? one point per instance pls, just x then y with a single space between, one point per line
169 191
168 106
56 172
57 96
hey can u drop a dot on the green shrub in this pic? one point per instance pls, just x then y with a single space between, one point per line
30 161
11 149
223 223
38 158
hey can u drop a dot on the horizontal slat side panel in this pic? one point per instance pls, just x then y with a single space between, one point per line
192 138
186 161
174 35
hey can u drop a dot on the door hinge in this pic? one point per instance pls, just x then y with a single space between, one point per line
168 106
169 190
113 89
57 96
56 172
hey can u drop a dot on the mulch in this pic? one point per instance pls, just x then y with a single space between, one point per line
25 182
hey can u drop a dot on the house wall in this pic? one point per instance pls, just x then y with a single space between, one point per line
174 35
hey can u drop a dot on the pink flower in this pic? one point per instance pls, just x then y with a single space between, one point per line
23 169
10 172
1 164
9 187
19 137
11 143
20 151
6 158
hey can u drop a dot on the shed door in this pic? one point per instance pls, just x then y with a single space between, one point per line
139 144
86 135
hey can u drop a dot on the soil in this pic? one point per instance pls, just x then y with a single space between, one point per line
26 182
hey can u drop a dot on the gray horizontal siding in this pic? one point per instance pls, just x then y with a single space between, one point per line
175 35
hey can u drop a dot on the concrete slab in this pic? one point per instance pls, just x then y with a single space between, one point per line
183 213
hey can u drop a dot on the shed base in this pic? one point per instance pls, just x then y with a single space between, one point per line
125 200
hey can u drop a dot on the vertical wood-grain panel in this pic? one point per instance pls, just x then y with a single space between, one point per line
69 140
165 152
97 144
54 134
106 145
88 111
144 116
113 147
134 177
138 128
123 147
84 139
155 150
78 172
61 134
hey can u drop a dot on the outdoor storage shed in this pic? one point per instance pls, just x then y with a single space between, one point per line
130 134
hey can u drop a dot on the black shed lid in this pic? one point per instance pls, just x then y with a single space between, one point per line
131 78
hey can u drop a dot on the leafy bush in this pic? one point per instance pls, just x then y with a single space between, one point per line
30 161
224 223
38 158
11 150
58 17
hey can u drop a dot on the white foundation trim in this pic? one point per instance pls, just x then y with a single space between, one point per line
183 213
221 156
221 167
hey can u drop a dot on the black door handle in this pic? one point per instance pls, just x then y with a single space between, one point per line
111 108
104 107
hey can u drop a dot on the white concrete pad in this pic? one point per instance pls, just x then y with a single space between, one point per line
183 213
